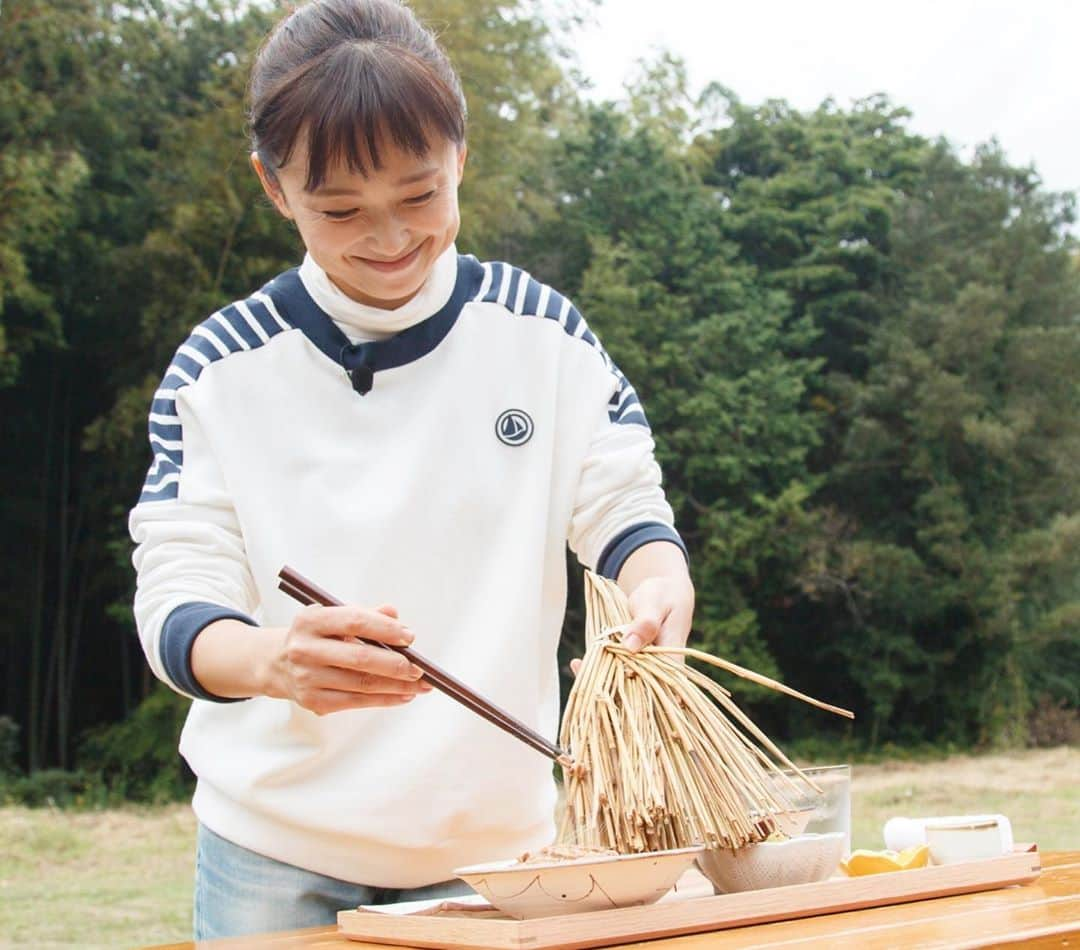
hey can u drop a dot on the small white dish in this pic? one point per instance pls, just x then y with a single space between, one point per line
952 840
900 833
550 888
798 860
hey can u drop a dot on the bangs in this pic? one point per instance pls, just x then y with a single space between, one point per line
353 100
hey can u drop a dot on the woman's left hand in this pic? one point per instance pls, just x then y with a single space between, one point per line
662 609
657 583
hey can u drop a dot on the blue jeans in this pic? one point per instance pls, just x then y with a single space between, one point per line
240 892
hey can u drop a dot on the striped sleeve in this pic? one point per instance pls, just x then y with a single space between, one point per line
190 560
244 325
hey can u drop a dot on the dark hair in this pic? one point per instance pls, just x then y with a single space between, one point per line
352 73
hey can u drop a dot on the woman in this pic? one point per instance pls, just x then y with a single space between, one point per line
419 433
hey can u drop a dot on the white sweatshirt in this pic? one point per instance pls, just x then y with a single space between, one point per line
496 429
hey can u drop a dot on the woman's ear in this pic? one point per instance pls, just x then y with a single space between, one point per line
463 151
270 185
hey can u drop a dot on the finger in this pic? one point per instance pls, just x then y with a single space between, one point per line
376 625
316 652
575 667
675 630
378 661
329 700
389 610
351 621
352 681
642 630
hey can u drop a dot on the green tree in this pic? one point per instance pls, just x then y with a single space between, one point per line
511 68
130 75
809 200
942 573
960 461
128 214
43 55
640 242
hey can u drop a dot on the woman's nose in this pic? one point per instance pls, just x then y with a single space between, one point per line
388 235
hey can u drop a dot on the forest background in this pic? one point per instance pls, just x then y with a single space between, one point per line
857 349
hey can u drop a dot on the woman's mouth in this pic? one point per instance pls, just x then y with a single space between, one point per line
390 266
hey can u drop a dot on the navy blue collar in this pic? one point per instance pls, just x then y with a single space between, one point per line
296 307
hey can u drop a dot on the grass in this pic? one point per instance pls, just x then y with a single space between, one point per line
122 878
118 878
1039 790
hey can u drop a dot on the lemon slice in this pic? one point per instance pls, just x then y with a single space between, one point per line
877 862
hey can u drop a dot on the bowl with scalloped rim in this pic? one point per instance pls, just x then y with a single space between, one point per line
571 886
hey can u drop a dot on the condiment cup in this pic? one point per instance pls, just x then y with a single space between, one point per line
954 841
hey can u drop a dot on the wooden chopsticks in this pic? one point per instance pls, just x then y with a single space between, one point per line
300 588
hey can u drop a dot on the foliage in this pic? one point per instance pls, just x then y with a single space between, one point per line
9 747
136 760
40 170
704 345
809 200
516 93
44 787
944 564
1053 724
956 466
51 788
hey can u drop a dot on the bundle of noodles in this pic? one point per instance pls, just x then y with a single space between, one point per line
657 764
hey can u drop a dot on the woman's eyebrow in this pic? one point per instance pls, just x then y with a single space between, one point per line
418 175
349 192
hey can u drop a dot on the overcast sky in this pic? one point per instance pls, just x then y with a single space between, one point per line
967 70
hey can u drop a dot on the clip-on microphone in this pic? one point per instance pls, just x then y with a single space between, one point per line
363 377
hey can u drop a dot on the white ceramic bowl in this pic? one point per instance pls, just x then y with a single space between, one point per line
547 889
799 860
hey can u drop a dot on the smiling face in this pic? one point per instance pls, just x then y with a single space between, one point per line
377 236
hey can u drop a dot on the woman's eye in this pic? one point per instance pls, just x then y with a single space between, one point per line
340 215
423 199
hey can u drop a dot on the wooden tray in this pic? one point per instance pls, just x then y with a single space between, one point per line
684 913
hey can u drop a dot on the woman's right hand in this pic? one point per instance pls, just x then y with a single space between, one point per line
323 667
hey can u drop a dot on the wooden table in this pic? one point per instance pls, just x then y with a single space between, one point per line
1043 914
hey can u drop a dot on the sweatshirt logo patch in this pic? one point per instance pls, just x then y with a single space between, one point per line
514 427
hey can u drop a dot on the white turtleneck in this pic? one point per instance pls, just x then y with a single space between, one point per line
362 323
